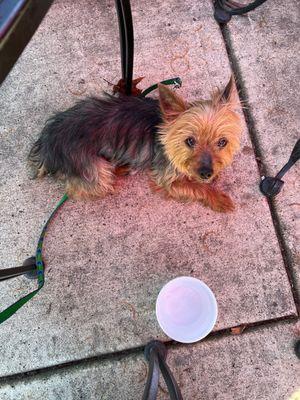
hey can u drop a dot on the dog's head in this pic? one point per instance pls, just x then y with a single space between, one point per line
200 138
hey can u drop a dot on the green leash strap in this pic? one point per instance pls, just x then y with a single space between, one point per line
9 311
174 81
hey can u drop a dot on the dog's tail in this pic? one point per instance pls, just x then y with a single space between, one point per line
45 155
66 145
36 160
51 153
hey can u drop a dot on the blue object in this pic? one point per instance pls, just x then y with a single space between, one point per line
9 10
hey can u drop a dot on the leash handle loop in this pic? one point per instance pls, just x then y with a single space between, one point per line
9 311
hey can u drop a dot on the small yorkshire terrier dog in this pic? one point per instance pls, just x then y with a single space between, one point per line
184 145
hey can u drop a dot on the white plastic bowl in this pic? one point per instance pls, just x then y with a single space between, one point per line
186 309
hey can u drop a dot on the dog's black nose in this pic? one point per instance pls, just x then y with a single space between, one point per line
205 168
205 172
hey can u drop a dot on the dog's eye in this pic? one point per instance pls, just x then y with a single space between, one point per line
190 141
222 142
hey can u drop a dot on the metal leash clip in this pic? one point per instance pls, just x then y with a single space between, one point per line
177 83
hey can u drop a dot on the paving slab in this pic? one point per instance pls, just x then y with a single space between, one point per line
260 364
108 259
269 65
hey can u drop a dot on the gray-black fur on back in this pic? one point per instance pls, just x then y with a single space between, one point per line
122 130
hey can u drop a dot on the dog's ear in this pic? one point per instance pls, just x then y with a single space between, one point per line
170 103
229 95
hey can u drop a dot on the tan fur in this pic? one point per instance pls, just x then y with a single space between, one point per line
207 122
189 190
99 185
41 172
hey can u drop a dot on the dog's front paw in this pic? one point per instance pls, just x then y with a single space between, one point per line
221 202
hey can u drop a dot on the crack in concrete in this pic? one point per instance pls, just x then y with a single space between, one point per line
261 163
29 376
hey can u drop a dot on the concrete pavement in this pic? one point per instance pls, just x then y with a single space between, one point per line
107 260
